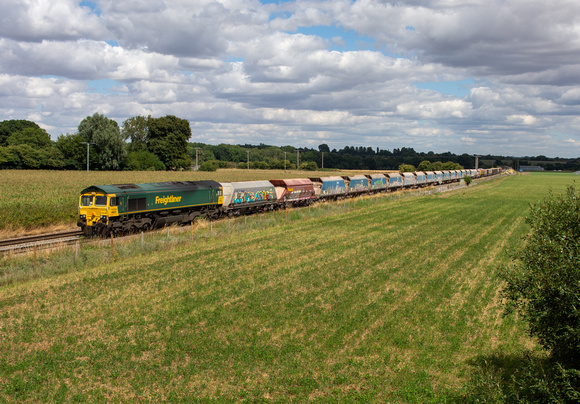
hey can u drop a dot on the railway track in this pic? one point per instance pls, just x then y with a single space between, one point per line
40 241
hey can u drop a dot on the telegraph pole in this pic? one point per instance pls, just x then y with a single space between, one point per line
322 159
196 160
87 143
297 159
247 151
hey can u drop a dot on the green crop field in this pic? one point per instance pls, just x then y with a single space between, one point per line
31 199
385 300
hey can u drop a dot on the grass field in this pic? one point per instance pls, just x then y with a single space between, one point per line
36 199
388 301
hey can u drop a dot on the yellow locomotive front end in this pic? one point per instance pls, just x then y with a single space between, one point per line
95 210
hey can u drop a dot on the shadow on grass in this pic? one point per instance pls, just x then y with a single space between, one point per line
527 377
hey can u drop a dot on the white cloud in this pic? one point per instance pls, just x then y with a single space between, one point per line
571 96
240 71
522 119
433 110
573 142
37 20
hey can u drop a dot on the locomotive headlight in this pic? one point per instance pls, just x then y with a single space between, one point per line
103 217
83 217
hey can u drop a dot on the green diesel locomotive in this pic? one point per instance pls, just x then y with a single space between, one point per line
120 208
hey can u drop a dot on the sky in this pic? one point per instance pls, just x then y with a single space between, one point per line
480 77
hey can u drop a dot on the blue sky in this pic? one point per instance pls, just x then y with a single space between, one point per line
92 5
457 88
351 40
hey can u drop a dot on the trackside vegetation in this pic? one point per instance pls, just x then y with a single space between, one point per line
372 300
542 285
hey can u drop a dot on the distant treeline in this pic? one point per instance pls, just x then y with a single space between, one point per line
353 158
146 143
357 158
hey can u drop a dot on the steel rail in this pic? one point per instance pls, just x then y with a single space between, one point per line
40 240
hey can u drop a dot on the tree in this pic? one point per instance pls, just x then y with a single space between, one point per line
406 168
425 165
202 151
144 160
35 137
53 158
208 166
324 148
237 153
136 129
260 165
31 148
309 166
29 157
105 134
450 165
9 127
436 166
277 164
168 140
74 152
466 160
9 158
542 283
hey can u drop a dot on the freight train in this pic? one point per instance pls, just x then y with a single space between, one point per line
125 208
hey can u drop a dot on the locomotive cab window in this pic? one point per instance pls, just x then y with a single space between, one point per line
100 200
87 200
113 201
